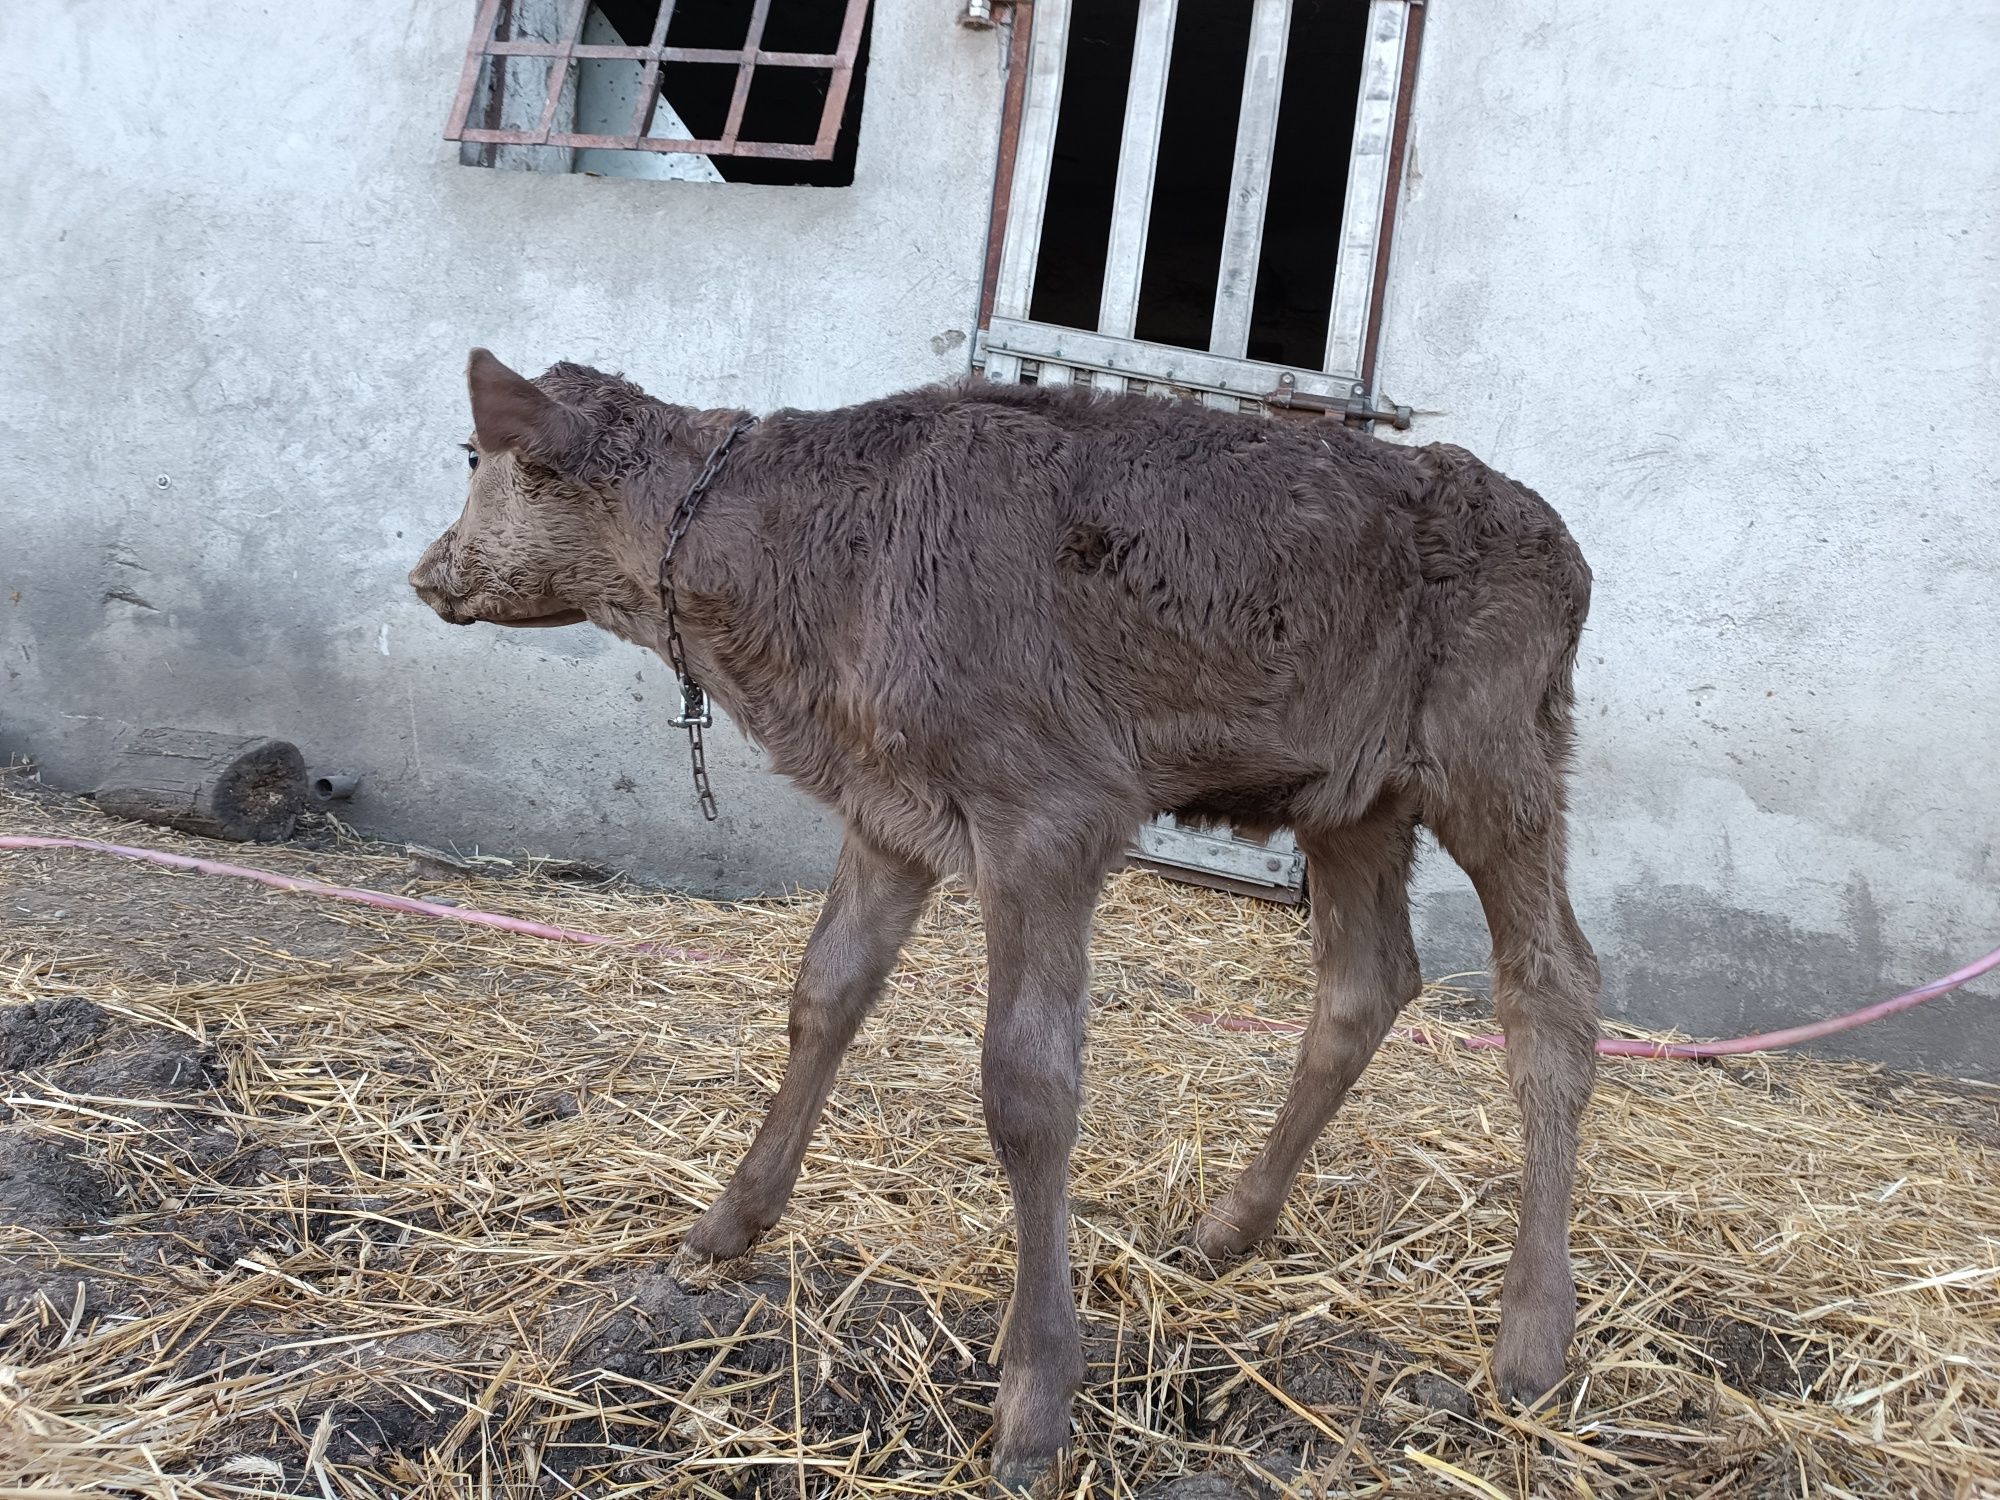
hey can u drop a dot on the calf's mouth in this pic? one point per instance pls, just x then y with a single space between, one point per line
544 622
456 609
459 612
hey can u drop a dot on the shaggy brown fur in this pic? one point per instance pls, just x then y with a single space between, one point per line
996 628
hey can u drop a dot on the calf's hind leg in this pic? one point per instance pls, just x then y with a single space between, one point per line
1366 965
1545 983
873 903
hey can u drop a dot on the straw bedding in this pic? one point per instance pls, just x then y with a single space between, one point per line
305 1199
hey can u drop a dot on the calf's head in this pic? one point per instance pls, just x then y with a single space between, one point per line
541 540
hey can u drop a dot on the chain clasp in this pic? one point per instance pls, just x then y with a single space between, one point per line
695 710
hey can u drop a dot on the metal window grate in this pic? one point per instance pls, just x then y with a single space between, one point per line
1344 369
567 50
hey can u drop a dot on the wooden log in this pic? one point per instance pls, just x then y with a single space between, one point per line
220 786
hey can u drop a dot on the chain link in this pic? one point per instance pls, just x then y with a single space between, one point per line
696 714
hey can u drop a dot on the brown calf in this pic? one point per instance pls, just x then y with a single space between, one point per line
997 628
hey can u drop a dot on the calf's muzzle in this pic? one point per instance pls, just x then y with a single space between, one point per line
432 579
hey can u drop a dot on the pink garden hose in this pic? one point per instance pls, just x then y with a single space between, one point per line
1766 1041
351 893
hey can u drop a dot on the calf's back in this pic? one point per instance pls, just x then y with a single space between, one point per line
989 604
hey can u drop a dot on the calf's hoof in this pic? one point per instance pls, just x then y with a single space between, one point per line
720 1236
1034 1479
1530 1356
1215 1241
1030 1433
697 1273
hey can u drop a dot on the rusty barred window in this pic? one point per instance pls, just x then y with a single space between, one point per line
704 90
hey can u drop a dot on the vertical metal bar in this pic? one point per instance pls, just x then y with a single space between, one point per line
559 65
1015 287
649 76
744 70
1367 184
1250 178
1138 156
1020 22
468 78
1406 93
842 80
493 113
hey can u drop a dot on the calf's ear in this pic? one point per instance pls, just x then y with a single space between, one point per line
511 413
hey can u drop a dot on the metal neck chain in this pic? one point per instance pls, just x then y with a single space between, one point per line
695 714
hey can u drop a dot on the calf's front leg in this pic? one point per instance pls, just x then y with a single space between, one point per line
1037 937
873 903
1367 971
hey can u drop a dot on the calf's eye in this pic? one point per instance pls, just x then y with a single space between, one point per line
471 458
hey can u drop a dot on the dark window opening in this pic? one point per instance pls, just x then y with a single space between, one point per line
708 23
1191 178
1076 226
784 104
1295 267
1302 218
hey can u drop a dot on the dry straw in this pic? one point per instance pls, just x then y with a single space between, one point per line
411 1233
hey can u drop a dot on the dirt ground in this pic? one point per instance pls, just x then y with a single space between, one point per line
306 1198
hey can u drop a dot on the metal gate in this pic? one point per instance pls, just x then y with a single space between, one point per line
1014 347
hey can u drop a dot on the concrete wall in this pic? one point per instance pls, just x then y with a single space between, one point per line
1720 281
1723 283
243 272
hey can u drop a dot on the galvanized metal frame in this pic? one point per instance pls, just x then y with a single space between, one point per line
1273 868
1020 24
1039 84
567 49
1250 177
1399 143
1034 105
1178 371
1138 161
1368 175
